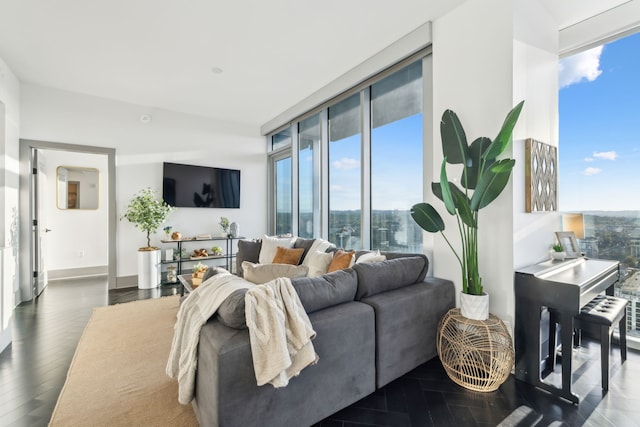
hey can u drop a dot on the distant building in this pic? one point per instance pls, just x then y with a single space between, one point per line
589 246
630 290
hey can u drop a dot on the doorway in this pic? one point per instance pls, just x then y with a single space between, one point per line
68 245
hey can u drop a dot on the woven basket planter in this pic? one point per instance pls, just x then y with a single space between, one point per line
476 354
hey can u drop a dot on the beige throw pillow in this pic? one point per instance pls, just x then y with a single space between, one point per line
270 245
318 263
263 273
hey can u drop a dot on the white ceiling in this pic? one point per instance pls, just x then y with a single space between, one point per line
160 53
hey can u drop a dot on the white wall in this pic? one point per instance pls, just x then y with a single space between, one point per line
78 237
481 70
9 175
59 116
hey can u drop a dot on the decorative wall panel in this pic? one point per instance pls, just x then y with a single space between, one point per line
541 176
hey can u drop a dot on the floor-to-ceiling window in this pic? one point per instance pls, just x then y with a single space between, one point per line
309 134
396 160
358 165
598 158
281 169
345 192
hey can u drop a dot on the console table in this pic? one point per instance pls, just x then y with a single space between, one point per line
228 256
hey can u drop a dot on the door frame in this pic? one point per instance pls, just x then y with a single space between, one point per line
26 289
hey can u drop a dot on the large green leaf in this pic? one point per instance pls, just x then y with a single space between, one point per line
447 198
471 173
492 183
456 192
464 209
427 217
454 140
504 136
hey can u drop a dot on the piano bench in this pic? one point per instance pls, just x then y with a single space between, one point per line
605 312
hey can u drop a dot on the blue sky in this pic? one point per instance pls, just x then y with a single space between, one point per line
599 128
396 170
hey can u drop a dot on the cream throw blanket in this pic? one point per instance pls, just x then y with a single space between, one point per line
194 312
280 332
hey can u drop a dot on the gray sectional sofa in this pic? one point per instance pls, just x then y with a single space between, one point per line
374 323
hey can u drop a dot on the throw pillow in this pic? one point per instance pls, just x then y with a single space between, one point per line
318 263
371 257
341 260
288 256
263 273
320 245
269 245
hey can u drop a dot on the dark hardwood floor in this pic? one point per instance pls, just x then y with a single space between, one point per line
34 367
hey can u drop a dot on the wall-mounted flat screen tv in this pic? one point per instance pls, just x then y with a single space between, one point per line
189 186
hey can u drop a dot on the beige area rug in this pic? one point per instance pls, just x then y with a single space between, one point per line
117 376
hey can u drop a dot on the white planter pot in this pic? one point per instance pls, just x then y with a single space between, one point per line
149 269
475 307
558 256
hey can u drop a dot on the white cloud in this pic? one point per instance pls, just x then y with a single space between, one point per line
346 163
606 155
584 65
337 188
591 171
588 159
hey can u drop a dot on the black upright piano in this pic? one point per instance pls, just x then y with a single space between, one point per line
562 287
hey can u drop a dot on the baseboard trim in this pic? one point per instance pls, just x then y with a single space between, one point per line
70 273
126 282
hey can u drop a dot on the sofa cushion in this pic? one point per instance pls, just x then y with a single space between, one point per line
263 273
341 260
269 245
325 291
377 277
248 250
288 255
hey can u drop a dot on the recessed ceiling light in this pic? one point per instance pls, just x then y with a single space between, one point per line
216 70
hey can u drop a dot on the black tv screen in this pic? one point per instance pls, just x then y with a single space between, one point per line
189 186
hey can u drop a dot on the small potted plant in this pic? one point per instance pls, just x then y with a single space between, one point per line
225 224
167 232
557 252
216 251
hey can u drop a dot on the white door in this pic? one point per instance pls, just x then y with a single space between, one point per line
39 226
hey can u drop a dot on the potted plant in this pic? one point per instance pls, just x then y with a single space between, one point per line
147 213
557 252
483 179
224 225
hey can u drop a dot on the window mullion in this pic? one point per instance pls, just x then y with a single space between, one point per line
365 213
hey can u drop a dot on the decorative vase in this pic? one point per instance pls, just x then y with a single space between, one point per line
558 256
149 269
475 307
235 229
